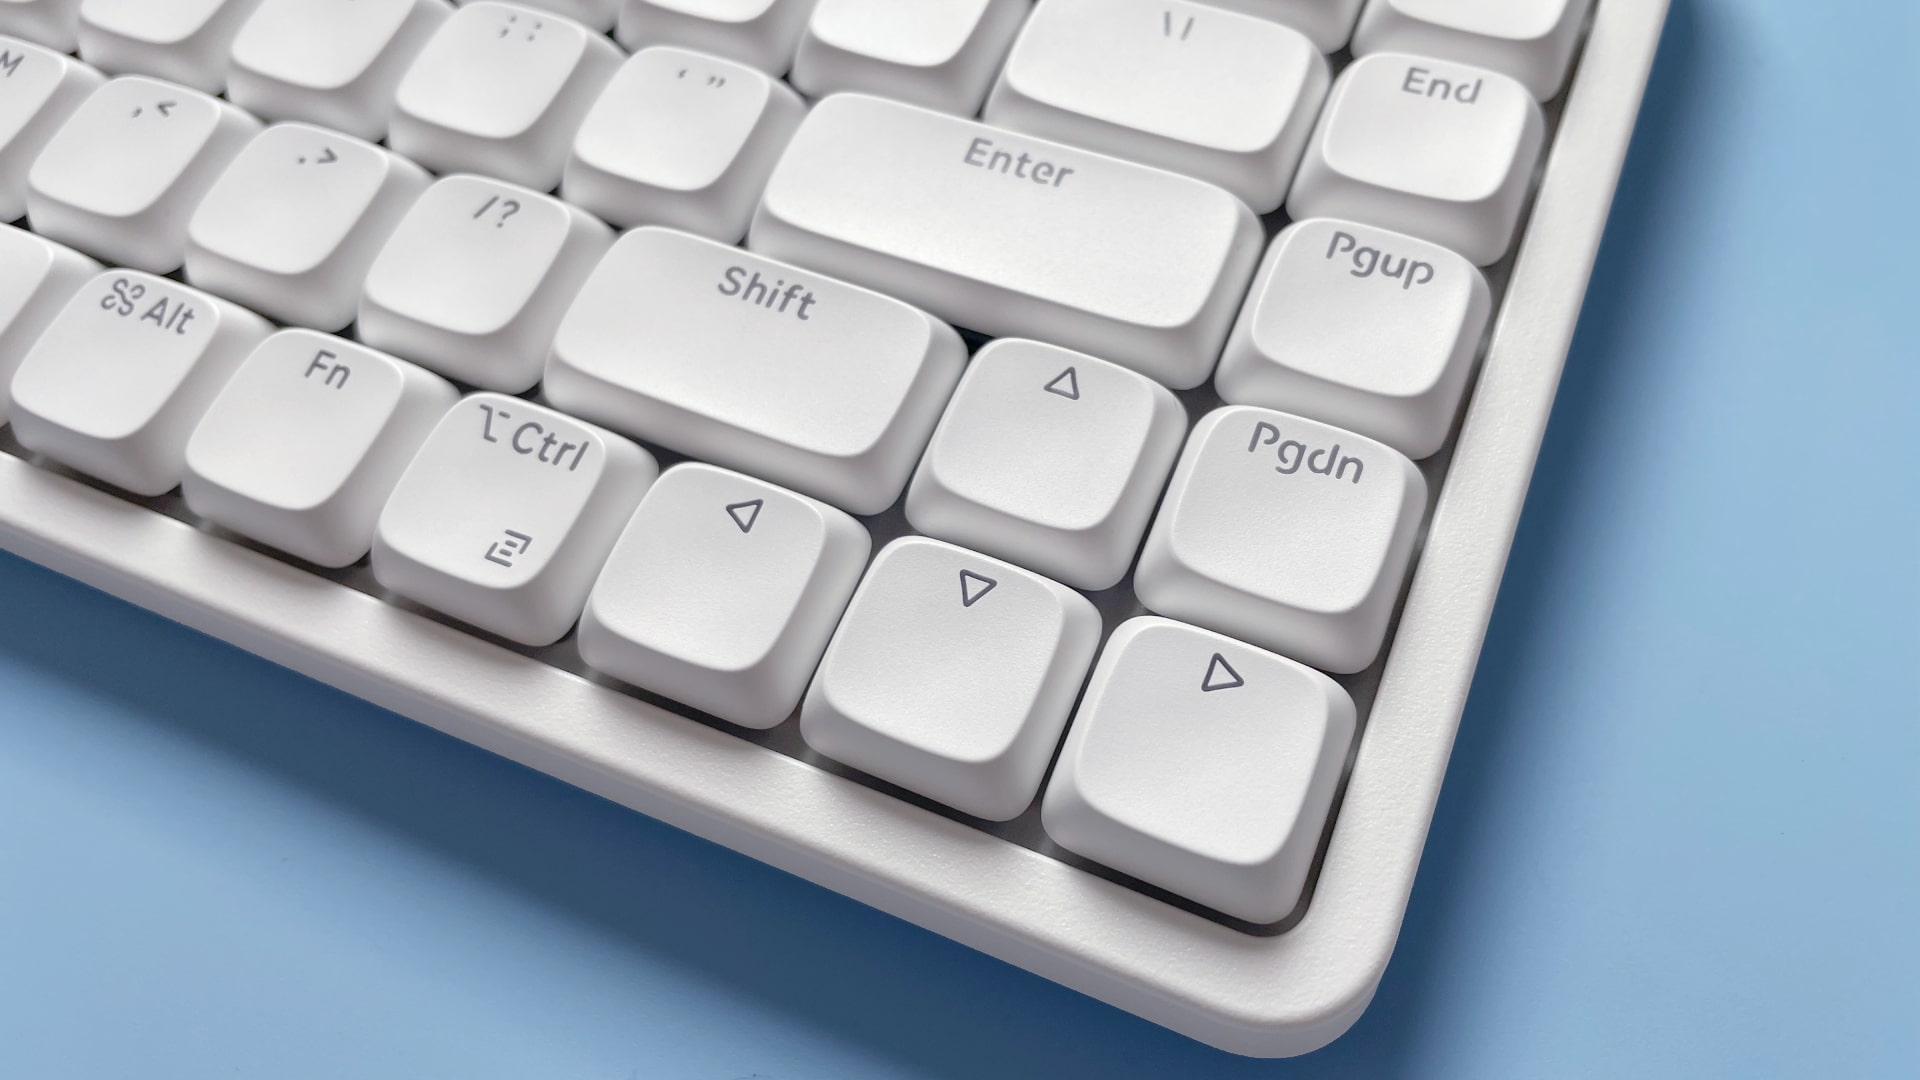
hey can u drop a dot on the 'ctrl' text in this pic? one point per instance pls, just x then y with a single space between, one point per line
530 438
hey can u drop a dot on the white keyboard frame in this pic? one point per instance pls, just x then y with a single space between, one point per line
1268 996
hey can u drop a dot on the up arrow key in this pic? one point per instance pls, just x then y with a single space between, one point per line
744 514
1220 676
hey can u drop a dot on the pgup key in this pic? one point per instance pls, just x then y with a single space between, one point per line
1285 532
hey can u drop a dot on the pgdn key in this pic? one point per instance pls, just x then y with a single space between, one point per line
1285 532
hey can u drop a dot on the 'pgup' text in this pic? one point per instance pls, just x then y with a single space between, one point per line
1369 261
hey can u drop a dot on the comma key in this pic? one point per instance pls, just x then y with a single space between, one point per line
1285 532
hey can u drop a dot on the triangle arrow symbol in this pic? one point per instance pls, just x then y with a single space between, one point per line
744 514
1220 676
973 586
166 108
1066 384
327 156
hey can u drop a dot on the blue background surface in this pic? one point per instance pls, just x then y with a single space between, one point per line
1678 839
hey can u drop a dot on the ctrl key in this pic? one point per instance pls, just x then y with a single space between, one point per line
1202 765
506 515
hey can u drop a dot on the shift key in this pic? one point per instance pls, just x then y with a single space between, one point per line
1014 236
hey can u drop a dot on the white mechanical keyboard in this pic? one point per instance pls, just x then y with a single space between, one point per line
1041 469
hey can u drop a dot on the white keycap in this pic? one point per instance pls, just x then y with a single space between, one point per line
506 515
53 23
1012 235
683 139
117 382
184 41
305 443
1371 330
722 594
500 89
951 675
292 226
1328 23
122 176
1435 149
331 63
1286 532
595 14
756 365
762 33
1203 766
39 89
1051 459
1531 40
37 278
476 278
938 53
1225 97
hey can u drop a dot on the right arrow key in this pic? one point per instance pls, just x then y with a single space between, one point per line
1202 765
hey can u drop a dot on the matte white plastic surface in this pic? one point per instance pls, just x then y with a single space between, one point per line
1013 235
1012 469
682 139
756 365
330 63
1188 87
37 278
122 176
952 675
306 441
52 23
938 53
1202 765
1440 150
762 33
292 226
500 89
506 514
184 41
1287 533
43 88
722 593
1276 995
1531 40
476 277
117 382
1372 330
